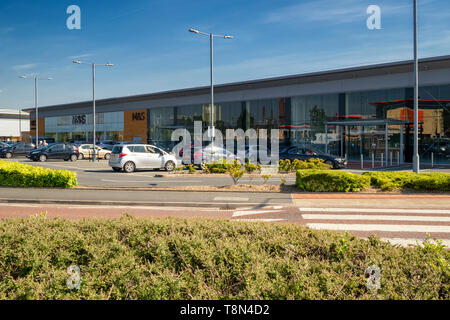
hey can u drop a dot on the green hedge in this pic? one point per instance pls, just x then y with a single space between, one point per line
435 181
154 259
13 174
292 166
331 181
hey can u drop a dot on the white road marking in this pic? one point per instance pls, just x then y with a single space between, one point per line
133 181
379 227
407 242
260 220
371 217
375 210
253 212
230 199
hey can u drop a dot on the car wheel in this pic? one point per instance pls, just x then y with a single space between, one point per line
81 156
117 169
8 155
129 167
170 166
42 158
107 156
73 158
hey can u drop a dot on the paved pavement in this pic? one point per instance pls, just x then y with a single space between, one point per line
142 198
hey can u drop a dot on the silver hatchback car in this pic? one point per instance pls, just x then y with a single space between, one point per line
141 156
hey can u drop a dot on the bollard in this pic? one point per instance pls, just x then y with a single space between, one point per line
373 160
362 162
432 159
398 158
390 155
382 160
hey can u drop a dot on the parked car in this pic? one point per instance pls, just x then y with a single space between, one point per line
34 150
86 152
141 156
302 153
211 154
17 149
64 151
3 145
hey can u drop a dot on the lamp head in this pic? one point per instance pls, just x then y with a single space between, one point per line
193 31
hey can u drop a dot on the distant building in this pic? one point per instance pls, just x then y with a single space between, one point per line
14 124
365 110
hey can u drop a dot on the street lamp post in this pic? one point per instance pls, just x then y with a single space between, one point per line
416 160
93 100
211 39
36 80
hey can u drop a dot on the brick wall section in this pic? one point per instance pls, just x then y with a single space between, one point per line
135 125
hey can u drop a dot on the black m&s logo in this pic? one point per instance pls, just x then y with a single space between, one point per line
138 116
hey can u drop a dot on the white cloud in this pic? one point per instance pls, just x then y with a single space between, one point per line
81 56
24 66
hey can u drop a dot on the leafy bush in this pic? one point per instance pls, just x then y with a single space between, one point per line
435 181
311 164
174 259
216 167
251 168
235 171
13 174
331 181
191 168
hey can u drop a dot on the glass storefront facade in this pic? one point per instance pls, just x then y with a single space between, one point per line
78 128
302 121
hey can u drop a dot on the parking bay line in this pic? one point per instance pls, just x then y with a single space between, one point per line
163 181
375 210
373 217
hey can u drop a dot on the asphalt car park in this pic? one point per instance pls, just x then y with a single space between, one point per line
99 173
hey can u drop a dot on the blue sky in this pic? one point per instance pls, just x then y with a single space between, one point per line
152 50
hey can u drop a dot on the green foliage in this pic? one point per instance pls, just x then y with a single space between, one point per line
216 167
435 181
252 168
283 181
179 169
331 181
266 177
175 259
191 168
235 171
13 174
311 164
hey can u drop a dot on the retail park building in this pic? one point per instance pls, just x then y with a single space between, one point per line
358 108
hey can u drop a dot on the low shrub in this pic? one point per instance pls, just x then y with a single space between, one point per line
13 174
311 164
191 168
235 171
435 181
331 181
251 167
216 167
175 259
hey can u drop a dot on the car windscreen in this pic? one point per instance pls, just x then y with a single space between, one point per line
117 150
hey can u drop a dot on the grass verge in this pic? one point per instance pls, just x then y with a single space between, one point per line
202 259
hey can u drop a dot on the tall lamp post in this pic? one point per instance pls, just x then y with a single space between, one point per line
211 39
93 99
36 80
416 159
